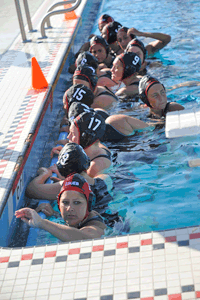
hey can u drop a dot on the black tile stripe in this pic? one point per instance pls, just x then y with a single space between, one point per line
85 255
107 297
183 243
61 258
133 249
160 292
37 261
133 295
109 252
158 246
187 288
13 264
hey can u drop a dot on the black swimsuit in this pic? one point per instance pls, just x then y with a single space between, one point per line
103 198
107 93
108 155
166 109
112 135
94 218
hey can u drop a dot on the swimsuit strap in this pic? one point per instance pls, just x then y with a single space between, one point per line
166 109
108 92
108 155
95 218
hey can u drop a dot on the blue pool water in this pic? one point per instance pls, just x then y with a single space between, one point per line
154 188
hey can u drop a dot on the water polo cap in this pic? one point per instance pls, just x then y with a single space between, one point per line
76 109
77 183
88 74
97 39
91 127
78 93
105 19
131 63
144 85
139 44
72 159
86 58
111 31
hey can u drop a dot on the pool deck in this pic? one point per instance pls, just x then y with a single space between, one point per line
162 265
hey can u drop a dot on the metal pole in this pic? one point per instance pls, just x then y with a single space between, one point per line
52 13
21 24
28 15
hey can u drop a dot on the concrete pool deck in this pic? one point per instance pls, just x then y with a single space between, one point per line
162 265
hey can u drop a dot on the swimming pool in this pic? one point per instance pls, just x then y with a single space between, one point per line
161 191
154 188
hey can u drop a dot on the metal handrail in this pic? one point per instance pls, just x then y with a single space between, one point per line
57 12
54 6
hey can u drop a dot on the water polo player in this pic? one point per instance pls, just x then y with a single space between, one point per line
118 126
123 38
103 97
153 94
86 130
77 93
75 204
100 49
125 69
109 33
103 20
72 159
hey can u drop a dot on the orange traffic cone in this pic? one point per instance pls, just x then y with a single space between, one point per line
71 15
38 79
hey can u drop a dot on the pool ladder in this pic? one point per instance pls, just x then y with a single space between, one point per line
46 18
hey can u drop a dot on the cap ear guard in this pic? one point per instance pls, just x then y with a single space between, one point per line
86 58
87 138
144 98
145 83
131 63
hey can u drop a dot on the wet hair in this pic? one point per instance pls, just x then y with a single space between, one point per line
77 183
105 19
139 44
91 127
78 93
111 31
72 159
88 74
86 58
97 39
131 63
144 85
